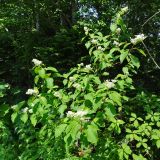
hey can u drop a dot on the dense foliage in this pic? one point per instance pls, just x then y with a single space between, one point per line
89 93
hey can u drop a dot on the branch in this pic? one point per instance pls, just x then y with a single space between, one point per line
144 43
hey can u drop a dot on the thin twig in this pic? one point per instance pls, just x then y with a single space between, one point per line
150 19
144 43
151 56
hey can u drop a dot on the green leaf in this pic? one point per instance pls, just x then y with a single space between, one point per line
49 82
145 145
140 50
113 50
116 97
158 144
33 120
138 145
42 73
135 61
52 69
138 157
120 154
113 27
75 130
110 110
126 149
60 129
88 44
14 116
123 55
43 101
136 124
24 117
91 134
62 108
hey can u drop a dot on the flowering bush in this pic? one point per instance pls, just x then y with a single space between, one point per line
87 113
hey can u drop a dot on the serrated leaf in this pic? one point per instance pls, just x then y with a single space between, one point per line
60 129
62 108
91 134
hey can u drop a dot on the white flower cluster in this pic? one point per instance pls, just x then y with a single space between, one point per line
57 94
77 86
86 29
100 48
94 41
31 92
80 114
88 67
26 109
118 30
72 79
81 64
138 38
124 10
14 107
110 84
116 43
36 62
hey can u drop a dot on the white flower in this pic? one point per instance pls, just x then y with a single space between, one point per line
110 84
118 30
36 62
57 94
81 113
88 67
138 38
77 86
100 48
124 10
30 110
14 107
93 41
31 92
70 114
86 29
113 80
81 64
24 110
72 79
116 43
